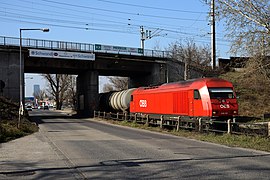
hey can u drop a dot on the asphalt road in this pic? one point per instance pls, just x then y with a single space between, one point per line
89 149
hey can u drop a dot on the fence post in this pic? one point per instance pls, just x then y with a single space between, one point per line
98 114
117 116
147 120
125 114
135 118
200 124
269 129
161 121
104 115
94 114
178 123
229 126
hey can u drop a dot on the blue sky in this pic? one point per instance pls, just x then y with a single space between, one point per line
110 22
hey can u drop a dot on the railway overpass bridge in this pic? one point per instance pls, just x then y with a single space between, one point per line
88 61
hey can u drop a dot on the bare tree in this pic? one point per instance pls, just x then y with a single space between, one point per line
58 86
190 55
116 84
247 24
107 87
40 95
71 96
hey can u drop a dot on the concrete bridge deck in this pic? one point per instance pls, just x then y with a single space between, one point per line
143 67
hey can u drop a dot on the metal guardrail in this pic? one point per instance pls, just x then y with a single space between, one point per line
82 47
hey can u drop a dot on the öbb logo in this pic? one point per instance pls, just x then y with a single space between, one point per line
224 106
143 103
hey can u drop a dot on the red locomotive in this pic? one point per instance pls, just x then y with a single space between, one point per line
206 97
212 98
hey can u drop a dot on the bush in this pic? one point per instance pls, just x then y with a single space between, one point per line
9 120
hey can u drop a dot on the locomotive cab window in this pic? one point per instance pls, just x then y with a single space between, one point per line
197 94
131 98
221 93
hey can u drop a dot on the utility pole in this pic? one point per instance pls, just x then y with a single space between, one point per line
213 35
186 71
144 35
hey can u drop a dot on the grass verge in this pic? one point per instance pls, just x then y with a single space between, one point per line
243 141
9 130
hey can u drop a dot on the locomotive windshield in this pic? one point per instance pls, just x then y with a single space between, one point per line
221 93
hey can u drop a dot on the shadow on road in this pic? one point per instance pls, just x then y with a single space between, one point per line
122 167
41 118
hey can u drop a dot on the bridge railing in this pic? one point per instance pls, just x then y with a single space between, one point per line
85 47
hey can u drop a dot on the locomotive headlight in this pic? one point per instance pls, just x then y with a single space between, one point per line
234 112
214 112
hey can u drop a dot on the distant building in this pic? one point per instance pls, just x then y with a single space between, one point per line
36 89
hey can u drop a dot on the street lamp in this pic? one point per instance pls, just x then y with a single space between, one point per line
21 109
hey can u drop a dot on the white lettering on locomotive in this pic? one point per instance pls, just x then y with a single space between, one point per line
143 103
224 106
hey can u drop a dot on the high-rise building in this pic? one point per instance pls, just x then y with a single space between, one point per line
36 89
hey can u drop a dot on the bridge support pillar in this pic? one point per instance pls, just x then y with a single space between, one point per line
87 92
10 74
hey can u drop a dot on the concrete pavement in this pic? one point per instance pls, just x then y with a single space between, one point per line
34 157
37 157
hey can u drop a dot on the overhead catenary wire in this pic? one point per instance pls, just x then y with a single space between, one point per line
120 12
82 23
152 7
84 19
88 25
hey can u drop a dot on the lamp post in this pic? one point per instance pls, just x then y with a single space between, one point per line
21 109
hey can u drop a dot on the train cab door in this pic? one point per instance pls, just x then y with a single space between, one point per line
196 102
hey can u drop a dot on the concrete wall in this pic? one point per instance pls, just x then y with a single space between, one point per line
10 74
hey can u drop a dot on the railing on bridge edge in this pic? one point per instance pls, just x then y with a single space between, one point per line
83 47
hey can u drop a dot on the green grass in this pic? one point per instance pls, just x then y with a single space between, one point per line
251 142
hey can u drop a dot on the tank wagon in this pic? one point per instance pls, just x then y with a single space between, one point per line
115 101
211 98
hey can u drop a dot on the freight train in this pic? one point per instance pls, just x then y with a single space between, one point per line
210 98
